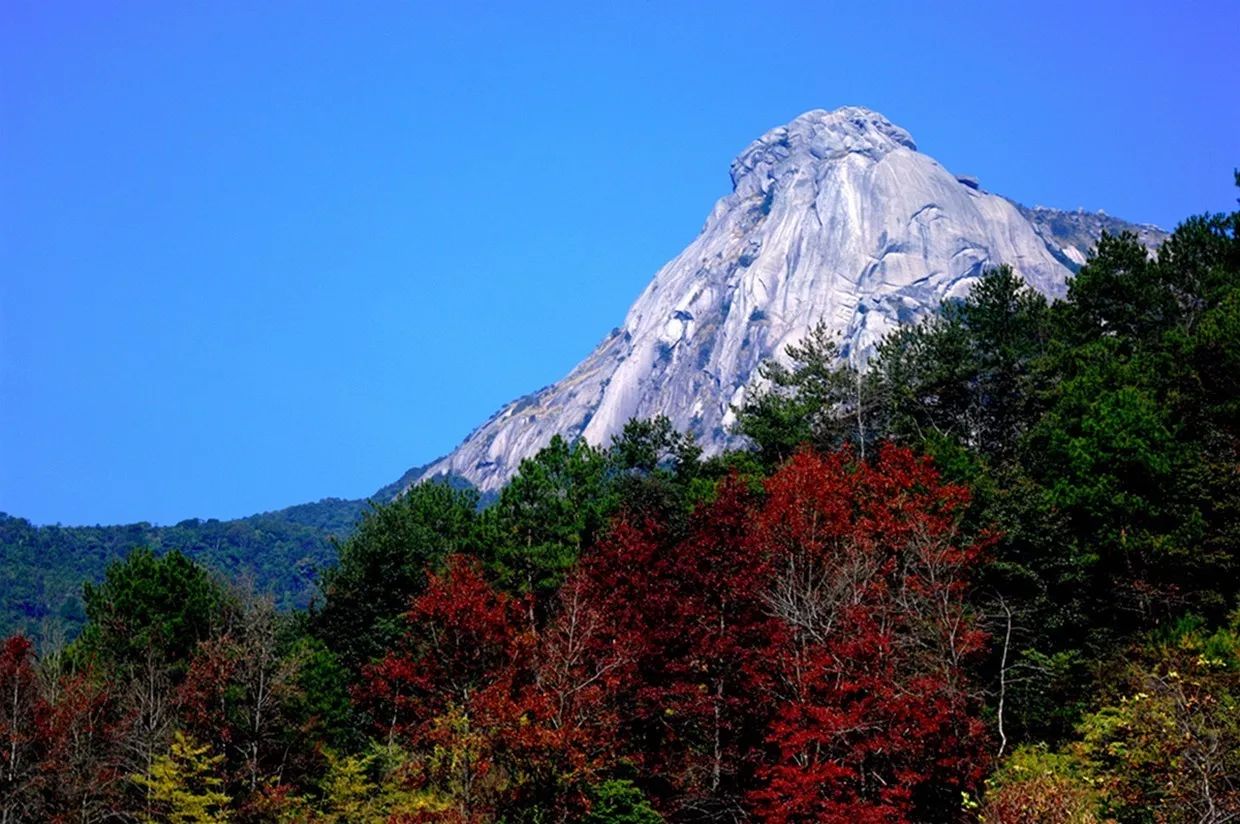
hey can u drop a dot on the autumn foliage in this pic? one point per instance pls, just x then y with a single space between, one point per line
796 653
634 632
877 720
795 649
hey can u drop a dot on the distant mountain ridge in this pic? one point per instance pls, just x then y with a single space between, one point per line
1073 234
278 552
835 216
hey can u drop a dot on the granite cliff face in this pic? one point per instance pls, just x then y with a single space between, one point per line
835 216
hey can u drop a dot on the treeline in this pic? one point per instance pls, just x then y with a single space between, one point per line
42 567
993 576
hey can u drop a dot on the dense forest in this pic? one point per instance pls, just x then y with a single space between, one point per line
44 566
991 577
280 552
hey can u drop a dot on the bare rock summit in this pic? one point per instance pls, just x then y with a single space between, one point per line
835 216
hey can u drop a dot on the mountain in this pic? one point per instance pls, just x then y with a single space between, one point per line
280 552
836 217
42 567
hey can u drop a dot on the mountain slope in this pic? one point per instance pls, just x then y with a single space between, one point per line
835 216
280 552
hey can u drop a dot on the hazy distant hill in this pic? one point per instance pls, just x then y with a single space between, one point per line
42 568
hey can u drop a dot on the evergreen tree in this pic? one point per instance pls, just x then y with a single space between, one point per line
554 506
968 376
151 606
618 801
806 402
383 567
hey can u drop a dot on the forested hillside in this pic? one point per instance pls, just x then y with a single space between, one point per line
44 567
992 577
280 553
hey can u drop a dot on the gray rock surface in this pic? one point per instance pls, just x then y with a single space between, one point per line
835 216
1071 235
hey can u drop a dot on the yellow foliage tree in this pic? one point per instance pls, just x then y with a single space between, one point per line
182 786
376 787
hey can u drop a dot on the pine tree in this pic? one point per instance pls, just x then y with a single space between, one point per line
816 400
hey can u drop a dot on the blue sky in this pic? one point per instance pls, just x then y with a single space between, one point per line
253 254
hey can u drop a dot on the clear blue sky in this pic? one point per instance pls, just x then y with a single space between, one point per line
253 254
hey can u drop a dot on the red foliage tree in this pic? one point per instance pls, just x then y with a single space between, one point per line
796 658
25 733
234 697
456 684
876 721
578 669
202 698
60 742
690 611
87 779
463 639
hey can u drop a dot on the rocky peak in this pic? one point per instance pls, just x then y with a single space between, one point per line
834 216
817 135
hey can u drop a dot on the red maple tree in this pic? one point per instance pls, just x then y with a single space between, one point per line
876 719
689 608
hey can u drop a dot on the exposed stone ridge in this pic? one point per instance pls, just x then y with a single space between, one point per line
816 135
835 216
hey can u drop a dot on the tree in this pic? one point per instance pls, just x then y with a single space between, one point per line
1119 294
968 375
237 693
560 502
808 402
449 689
1171 745
876 719
646 446
688 611
318 706
1098 434
150 606
1034 786
553 507
1135 445
348 793
84 761
145 620
618 801
1110 456
1164 747
182 785
383 567
571 702
25 733
652 468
